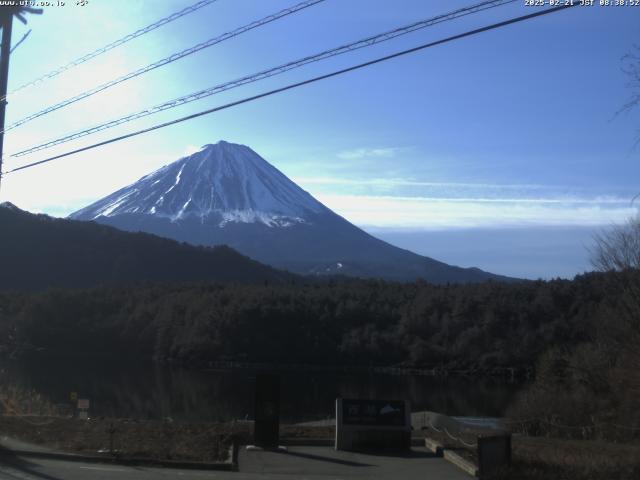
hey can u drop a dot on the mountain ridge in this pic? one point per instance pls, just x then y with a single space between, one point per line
228 194
38 252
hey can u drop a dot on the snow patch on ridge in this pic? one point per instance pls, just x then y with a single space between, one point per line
177 180
250 216
110 207
181 212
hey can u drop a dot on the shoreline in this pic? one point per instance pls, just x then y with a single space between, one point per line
510 374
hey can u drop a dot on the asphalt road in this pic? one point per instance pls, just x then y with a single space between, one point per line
16 468
299 463
325 462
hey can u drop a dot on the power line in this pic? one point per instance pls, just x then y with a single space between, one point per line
383 37
299 84
112 45
165 61
24 37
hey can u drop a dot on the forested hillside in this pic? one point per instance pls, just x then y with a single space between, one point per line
38 251
335 323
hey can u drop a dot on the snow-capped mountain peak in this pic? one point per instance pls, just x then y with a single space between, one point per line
226 194
224 181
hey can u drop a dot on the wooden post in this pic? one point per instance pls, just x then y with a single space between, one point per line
6 18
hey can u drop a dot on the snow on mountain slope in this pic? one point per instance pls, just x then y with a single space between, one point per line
224 180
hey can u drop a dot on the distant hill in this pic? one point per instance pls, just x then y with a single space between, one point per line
38 251
227 194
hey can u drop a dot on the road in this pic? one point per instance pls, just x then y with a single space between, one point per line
16 468
299 463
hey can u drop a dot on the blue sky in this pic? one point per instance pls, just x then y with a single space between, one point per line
501 151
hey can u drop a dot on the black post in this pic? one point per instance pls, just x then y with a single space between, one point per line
266 429
6 17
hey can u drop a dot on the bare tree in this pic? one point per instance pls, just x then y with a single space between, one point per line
631 68
618 248
618 328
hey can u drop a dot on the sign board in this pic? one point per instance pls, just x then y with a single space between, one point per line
83 404
363 424
267 411
373 412
83 415
73 396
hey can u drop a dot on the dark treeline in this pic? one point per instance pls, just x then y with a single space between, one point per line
346 322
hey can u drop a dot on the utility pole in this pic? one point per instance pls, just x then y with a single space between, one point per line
6 22
6 17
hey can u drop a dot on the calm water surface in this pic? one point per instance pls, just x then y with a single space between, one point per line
144 390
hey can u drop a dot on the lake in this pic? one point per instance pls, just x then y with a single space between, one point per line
135 389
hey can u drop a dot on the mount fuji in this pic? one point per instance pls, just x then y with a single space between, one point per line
228 194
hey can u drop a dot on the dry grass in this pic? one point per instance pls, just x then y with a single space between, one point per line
127 438
540 458
141 439
545 458
17 401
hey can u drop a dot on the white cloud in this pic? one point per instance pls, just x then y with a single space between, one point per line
460 192
402 182
443 213
368 152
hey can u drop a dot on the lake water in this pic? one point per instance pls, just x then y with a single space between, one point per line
134 389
